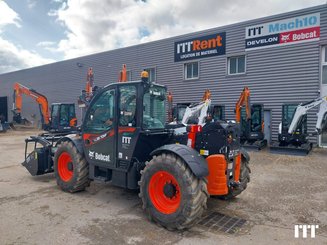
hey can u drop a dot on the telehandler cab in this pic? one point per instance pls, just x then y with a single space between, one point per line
123 139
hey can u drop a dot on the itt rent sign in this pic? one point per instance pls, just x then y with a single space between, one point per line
201 47
289 31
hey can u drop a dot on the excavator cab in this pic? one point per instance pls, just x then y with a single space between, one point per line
300 135
179 111
218 113
63 117
252 129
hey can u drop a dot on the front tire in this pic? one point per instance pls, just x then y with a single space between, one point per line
70 168
172 195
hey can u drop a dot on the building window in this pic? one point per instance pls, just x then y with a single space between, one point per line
236 65
324 66
129 75
191 70
152 74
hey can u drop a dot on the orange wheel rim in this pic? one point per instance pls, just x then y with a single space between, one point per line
164 192
65 167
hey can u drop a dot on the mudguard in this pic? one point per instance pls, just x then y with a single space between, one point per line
192 158
245 155
75 139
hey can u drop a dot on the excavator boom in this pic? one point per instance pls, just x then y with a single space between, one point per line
201 108
170 107
123 74
243 100
89 82
303 109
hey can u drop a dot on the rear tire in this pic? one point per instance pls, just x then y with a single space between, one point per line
244 180
172 195
70 168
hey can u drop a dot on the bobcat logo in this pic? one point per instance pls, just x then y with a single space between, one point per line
91 154
285 38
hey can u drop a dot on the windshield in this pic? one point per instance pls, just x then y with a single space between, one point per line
256 120
288 114
100 116
154 111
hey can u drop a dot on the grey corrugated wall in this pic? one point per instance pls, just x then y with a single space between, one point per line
275 75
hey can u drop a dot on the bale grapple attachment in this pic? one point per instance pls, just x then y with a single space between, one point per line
39 160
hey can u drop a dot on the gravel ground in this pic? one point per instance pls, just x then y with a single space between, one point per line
284 191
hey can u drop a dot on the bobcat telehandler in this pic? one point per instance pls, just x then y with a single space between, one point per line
124 139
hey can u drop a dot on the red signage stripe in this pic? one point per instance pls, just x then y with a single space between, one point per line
299 35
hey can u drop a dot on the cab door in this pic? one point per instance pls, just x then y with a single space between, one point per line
99 130
55 116
128 128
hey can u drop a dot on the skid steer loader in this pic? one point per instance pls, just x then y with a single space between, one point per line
123 139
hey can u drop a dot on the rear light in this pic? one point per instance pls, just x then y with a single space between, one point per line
194 128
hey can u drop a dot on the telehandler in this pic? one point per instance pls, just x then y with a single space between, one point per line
124 139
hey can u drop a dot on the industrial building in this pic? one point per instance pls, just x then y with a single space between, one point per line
281 58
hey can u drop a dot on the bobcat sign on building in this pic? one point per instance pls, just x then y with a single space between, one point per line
288 31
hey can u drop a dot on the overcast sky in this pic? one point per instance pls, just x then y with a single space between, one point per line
36 32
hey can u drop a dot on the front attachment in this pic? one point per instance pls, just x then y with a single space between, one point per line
39 161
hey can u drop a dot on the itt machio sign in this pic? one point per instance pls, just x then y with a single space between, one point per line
201 47
289 31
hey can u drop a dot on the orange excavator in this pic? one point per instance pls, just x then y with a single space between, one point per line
62 117
170 107
123 74
251 121
243 100
87 94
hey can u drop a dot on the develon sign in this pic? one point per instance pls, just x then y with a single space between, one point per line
201 47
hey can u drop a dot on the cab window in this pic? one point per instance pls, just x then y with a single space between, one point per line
67 112
101 114
54 115
154 112
127 106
